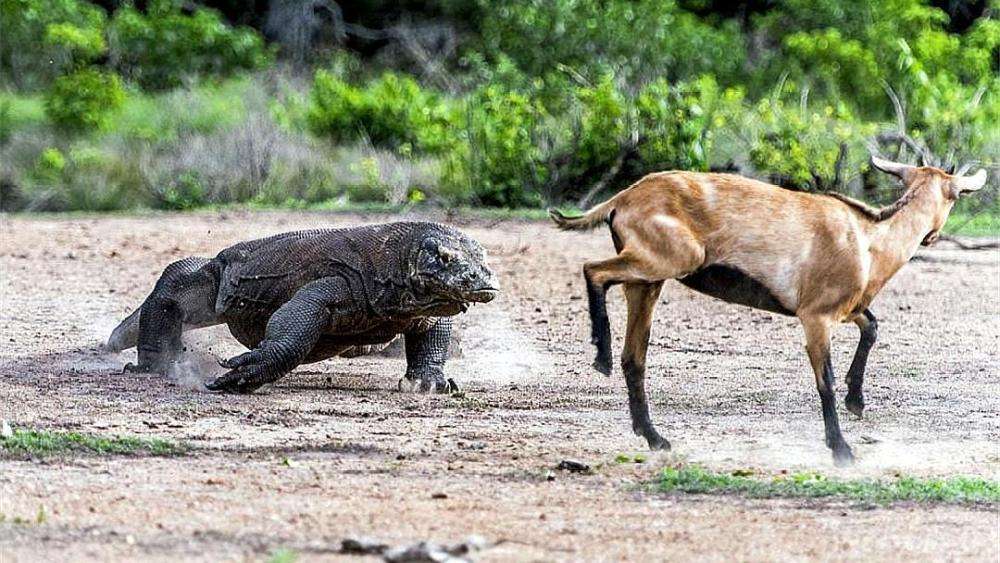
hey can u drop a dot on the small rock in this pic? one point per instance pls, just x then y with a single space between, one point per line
439 496
5 430
423 552
362 546
866 439
427 552
573 466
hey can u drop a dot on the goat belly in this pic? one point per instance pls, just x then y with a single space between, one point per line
734 286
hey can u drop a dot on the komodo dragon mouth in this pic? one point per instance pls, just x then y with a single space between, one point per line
484 295
461 303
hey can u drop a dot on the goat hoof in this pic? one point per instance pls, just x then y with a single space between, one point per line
653 438
855 406
658 443
843 457
603 366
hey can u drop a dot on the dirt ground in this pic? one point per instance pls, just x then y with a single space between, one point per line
335 451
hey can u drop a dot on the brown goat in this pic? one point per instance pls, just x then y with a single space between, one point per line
819 257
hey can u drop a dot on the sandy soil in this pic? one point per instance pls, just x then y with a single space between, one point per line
335 451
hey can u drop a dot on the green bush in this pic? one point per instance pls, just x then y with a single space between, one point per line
84 99
392 112
640 39
185 192
161 48
50 166
42 39
82 178
677 123
82 43
500 162
804 149
603 126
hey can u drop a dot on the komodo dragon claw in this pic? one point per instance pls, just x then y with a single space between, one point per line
233 382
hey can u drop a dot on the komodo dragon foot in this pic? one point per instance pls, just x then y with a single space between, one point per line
247 373
427 381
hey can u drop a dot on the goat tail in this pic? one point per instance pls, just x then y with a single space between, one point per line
126 335
590 220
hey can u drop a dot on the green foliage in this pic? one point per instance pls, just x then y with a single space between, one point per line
167 116
392 112
6 122
283 555
163 47
186 192
677 123
695 479
642 39
83 43
983 224
51 165
836 64
541 101
45 443
603 125
500 162
44 38
805 149
84 99
952 118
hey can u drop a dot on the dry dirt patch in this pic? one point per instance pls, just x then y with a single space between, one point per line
334 450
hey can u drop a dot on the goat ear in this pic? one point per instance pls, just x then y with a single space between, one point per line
965 184
889 167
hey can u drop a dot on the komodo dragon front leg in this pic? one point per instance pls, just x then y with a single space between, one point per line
291 333
426 353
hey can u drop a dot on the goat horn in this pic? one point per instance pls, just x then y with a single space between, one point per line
969 183
890 167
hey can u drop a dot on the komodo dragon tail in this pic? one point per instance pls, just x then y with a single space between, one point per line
125 335
590 220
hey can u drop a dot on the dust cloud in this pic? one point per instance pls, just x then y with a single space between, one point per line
496 351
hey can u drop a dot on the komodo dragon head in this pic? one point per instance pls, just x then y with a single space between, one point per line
448 271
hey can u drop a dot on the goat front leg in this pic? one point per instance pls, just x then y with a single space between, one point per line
818 346
855 401
641 298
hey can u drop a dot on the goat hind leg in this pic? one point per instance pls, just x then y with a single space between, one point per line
600 276
641 298
600 326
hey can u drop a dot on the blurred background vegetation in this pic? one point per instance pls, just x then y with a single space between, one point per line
178 104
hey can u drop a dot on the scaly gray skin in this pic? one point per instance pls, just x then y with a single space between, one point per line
307 296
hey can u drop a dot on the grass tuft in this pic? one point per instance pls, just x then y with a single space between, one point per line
44 443
983 224
698 480
283 555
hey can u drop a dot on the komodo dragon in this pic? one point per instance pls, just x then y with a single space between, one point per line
306 296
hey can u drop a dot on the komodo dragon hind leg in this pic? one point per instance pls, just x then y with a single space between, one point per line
426 353
183 298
